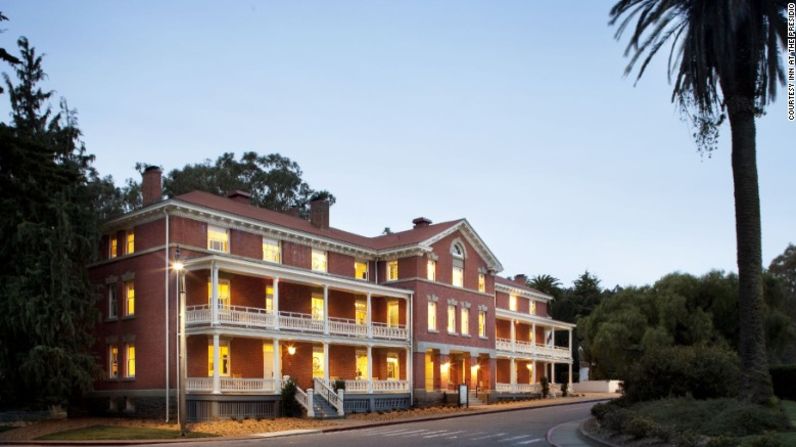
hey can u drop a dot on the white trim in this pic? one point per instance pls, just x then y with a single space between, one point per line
528 318
505 288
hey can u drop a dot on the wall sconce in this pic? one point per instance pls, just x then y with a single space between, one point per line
445 365
291 350
529 366
475 367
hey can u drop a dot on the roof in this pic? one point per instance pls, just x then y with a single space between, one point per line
512 283
399 239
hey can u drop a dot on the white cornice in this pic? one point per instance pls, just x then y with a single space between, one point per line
528 318
499 287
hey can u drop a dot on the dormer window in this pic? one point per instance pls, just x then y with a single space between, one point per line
392 270
457 275
271 251
217 239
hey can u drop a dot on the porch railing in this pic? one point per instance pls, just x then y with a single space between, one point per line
299 322
356 386
305 400
383 330
199 384
347 327
233 384
517 387
379 386
525 347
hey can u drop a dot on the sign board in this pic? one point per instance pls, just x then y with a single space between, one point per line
464 396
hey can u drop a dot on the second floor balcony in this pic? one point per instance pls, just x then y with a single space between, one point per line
542 352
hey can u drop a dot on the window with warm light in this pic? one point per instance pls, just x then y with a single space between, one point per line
361 270
272 251
318 260
114 247
431 270
362 365
130 242
432 316
451 319
457 276
129 291
269 298
482 283
513 302
318 362
392 367
392 270
129 371
532 307
360 311
224 293
393 313
113 302
113 362
224 363
316 306
465 317
217 239
482 324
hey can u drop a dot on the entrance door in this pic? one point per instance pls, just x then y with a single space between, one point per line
317 362
392 314
429 372
268 361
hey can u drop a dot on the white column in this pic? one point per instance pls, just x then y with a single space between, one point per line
533 371
369 375
276 304
513 335
569 388
570 345
277 365
553 337
326 362
214 294
216 365
553 372
408 316
369 318
326 309
513 375
408 367
533 333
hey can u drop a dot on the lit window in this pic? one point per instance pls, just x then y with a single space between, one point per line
269 298
129 290
130 242
318 260
513 302
432 316
113 302
114 247
482 323
457 277
223 293
318 362
317 306
362 364
481 282
113 361
393 313
130 370
360 311
451 319
465 317
392 270
361 270
392 367
431 270
217 239
271 251
532 308
223 356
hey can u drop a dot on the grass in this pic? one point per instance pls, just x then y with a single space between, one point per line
113 432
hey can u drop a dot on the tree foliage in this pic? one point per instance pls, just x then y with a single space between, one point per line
49 227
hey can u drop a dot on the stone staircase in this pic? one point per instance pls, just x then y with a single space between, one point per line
323 409
474 400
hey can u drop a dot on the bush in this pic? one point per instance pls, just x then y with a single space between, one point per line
545 386
338 385
564 389
600 410
744 419
290 407
704 372
767 440
783 378
640 427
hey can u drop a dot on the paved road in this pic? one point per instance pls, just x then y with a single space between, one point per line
514 428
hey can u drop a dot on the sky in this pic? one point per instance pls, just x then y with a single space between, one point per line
513 114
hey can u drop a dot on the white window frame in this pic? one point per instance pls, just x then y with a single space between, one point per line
464 316
431 270
482 323
111 361
127 359
367 270
513 302
482 283
113 302
451 326
320 260
392 270
224 243
457 269
432 316
127 285
274 245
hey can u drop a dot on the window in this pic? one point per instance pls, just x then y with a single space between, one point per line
465 317
431 270
129 302
451 319
130 242
223 357
392 270
113 361
113 302
362 365
223 293
114 246
361 270
432 316
457 276
271 251
482 323
129 371
269 298
392 313
532 307
360 311
217 239
513 302
318 362
317 306
318 260
392 367
481 283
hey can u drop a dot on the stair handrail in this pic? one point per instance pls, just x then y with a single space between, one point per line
305 400
323 389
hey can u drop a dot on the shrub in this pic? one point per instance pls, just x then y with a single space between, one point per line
783 378
744 419
640 427
600 410
545 386
704 372
616 420
767 440
290 407
338 385
564 389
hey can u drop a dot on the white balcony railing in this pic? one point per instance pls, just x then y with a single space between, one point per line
253 317
541 351
199 384
232 384
356 386
390 386
517 388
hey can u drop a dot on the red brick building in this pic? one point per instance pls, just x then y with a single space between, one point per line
399 318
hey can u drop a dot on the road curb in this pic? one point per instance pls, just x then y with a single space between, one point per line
593 438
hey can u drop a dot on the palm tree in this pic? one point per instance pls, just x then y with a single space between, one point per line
725 59
546 283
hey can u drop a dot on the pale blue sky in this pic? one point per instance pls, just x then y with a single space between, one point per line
514 115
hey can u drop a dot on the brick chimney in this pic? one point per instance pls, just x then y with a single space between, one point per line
319 213
150 185
421 222
240 196
521 279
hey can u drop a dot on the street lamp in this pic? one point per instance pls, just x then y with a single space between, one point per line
179 269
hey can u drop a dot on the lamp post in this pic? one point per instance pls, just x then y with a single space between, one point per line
179 268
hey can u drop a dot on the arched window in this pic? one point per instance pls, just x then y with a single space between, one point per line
457 276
